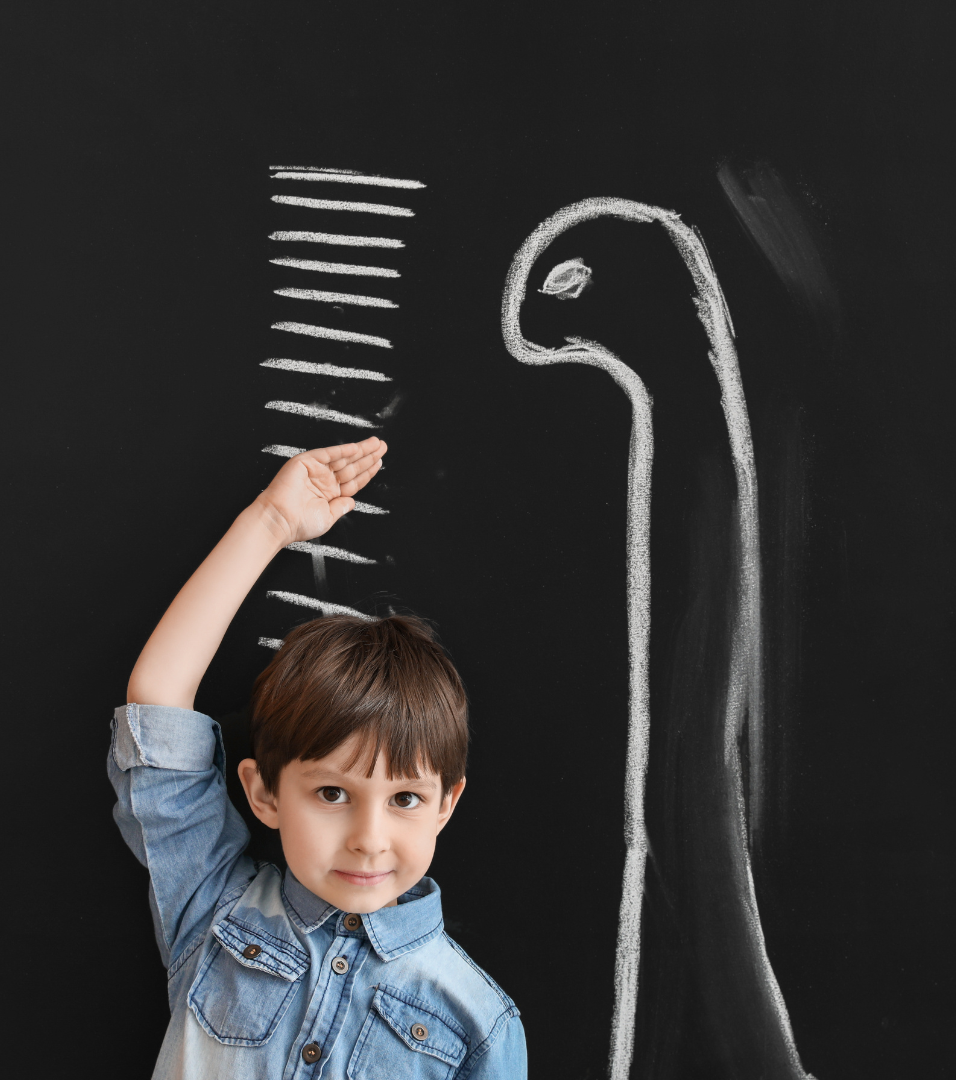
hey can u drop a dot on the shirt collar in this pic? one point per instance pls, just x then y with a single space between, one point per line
392 931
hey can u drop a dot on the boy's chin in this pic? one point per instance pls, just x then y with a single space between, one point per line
360 899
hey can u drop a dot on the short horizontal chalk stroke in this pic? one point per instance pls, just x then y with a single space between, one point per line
271 642
330 334
307 367
336 239
318 412
336 297
340 176
329 552
324 606
339 204
320 267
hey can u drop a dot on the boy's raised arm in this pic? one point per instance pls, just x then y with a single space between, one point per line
305 499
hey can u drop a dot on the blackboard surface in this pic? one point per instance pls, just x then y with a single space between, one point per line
141 304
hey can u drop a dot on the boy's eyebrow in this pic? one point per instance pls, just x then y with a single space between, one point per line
321 772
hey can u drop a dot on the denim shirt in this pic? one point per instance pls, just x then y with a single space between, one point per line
267 980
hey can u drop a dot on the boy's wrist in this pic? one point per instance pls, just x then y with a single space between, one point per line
262 519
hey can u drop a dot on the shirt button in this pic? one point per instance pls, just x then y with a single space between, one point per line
352 922
250 952
311 1052
420 1032
340 965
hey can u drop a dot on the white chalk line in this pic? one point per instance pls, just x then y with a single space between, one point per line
744 694
330 334
336 297
337 204
325 606
318 412
339 239
317 168
271 642
329 552
293 172
307 367
337 268
281 450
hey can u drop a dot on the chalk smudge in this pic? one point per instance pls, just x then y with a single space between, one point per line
783 231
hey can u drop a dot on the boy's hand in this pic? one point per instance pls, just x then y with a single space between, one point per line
313 490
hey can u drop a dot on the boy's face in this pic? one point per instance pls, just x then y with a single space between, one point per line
357 842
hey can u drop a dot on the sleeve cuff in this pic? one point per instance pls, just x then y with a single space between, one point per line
165 737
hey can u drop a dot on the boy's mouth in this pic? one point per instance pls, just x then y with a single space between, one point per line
363 879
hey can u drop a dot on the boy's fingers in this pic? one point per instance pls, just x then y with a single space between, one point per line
358 482
365 456
353 468
337 457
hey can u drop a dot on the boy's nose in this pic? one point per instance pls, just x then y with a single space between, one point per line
369 836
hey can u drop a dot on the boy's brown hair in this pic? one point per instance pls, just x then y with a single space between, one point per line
388 680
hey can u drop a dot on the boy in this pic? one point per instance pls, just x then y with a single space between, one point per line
359 729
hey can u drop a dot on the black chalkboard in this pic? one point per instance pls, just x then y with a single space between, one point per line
806 142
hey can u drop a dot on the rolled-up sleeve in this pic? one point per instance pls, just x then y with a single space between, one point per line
167 768
502 1057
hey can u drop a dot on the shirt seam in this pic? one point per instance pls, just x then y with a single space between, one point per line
468 1065
143 759
177 965
503 997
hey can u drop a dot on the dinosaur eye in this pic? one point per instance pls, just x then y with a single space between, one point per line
567 280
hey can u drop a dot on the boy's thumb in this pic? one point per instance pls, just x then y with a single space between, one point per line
342 505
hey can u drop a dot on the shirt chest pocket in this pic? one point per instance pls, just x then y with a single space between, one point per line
406 1039
246 983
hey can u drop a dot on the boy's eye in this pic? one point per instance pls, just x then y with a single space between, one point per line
407 800
333 795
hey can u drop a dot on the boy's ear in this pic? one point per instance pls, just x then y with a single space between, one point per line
449 803
262 802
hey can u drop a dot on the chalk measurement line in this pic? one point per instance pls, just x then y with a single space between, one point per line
306 367
329 334
336 297
325 606
336 268
330 552
341 239
317 412
338 204
305 172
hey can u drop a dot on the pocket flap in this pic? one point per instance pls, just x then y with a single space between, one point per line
255 948
419 1026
